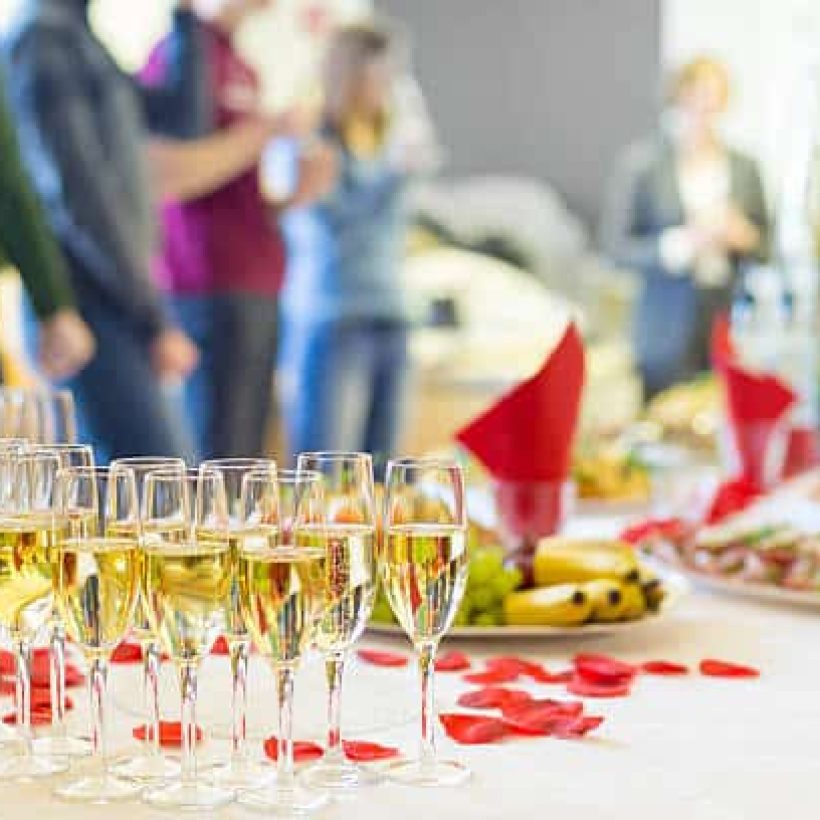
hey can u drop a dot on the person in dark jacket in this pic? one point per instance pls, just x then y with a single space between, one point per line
83 127
685 211
66 344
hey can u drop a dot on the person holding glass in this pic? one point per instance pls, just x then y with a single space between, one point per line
222 260
685 210
344 359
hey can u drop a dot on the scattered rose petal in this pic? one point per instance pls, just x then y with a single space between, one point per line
585 688
375 657
304 751
512 663
170 733
547 677
221 646
492 676
452 662
577 727
541 717
565 708
664 668
493 697
127 652
472 729
725 669
362 751
603 669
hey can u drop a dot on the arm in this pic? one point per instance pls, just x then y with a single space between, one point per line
179 104
55 114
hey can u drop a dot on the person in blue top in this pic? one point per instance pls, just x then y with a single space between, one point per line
345 313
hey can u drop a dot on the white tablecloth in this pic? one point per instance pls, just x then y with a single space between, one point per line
677 749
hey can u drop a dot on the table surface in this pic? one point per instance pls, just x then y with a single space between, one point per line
679 748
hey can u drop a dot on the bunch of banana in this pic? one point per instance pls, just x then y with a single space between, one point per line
578 582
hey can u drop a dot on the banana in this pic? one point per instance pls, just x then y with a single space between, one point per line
634 602
652 586
561 605
607 599
564 561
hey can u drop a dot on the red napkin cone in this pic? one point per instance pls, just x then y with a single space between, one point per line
170 733
527 435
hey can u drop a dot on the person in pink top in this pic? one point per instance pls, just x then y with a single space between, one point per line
223 256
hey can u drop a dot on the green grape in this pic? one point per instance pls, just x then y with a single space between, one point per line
462 617
482 598
506 582
382 613
484 565
490 618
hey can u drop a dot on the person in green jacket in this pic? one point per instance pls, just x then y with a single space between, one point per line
66 343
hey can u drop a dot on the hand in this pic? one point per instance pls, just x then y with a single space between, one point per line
298 122
318 173
66 345
173 355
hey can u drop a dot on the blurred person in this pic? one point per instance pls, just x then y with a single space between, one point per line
685 210
82 124
66 343
223 257
345 357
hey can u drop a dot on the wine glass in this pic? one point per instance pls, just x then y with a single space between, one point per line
346 529
98 568
151 765
424 572
59 743
239 772
281 591
11 411
28 535
187 582
55 416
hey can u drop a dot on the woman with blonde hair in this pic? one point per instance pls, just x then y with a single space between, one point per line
686 211
345 313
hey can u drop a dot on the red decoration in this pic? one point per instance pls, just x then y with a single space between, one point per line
170 733
493 697
304 751
376 657
603 669
664 668
362 751
732 497
221 646
493 676
725 669
452 662
127 652
585 688
473 729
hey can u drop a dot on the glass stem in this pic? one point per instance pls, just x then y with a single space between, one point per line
58 727
24 692
187 685
239 672
97 680
285 778
427 751
150 681
334 670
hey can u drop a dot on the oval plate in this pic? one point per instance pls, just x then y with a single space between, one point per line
676 585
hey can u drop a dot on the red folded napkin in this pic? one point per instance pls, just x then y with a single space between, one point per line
527 435
127 652
170 733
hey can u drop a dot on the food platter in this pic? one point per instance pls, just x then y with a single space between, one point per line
675 583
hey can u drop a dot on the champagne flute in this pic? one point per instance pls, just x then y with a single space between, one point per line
55 416
281 590
346 529
98 570
28 534
424 572
187 582
59 743
239 771
11 411
151 765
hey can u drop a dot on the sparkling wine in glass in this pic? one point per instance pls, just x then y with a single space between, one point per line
97 591
424 573
345 528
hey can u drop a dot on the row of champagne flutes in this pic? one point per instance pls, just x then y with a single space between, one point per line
283 560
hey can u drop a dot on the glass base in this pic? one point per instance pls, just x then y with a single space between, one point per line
432 773
59 746
98 789
243 776
28 767
189 797
146 768
291 802
341 776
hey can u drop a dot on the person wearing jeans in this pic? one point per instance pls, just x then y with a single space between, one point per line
344 359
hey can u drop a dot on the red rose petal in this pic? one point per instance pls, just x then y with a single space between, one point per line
473 729
603 669
170 733
127 652
512 663
541 717
564 708
547 677
664 668
304 751
492 676
362 751
221 646
726 669
586 688
493 697
577 727
376 657
452 662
